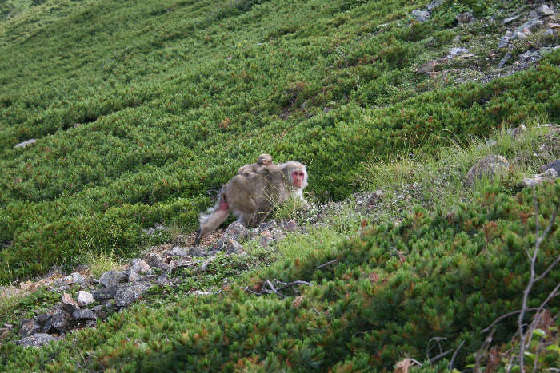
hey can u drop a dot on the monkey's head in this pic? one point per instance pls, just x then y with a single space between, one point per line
296 173
264 159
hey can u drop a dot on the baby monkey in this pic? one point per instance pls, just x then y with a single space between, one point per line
263 162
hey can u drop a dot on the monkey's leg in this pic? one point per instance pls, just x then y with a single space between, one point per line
209 223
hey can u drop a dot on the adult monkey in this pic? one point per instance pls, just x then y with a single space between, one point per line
251 196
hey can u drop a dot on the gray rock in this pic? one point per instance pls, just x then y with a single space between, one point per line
155 229
545 11
113 278
531 26
490 166
178 251
554 165
521 35
236 231
133 276
100 311
464 18
504 60
530 56
36 340
163 280
457 51
75 278
421 15
434 4
126 295
24 144
548 176
29 327
105 293
155 260
60 322
139 266
85 314
510 19
68 303
266 238
85 298
505 40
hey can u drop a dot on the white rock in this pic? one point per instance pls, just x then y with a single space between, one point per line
545 10
457 51
85 298
421 15
24 143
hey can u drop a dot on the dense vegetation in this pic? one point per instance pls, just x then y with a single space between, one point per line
140 108
388 293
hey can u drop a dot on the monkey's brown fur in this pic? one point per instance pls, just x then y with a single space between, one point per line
251 196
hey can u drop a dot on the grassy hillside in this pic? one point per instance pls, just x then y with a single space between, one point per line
142 109
139 108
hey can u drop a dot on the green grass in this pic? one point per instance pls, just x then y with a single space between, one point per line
169 98
140 108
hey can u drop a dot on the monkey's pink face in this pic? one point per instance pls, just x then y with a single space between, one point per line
298 178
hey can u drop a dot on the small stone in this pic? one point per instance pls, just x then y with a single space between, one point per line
434 4
266 238
531 26
504 60
59 321
234 246
84 314
457 51
140 266
28 327
126 295
551 173
163 280
545 11
68 303
489 166
554 165
133 276
113 278
520 35
100 311
510 19
105 294
24 144
178 251
85 298
36 340
421 15
155 260
236 231
547 176
78 278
